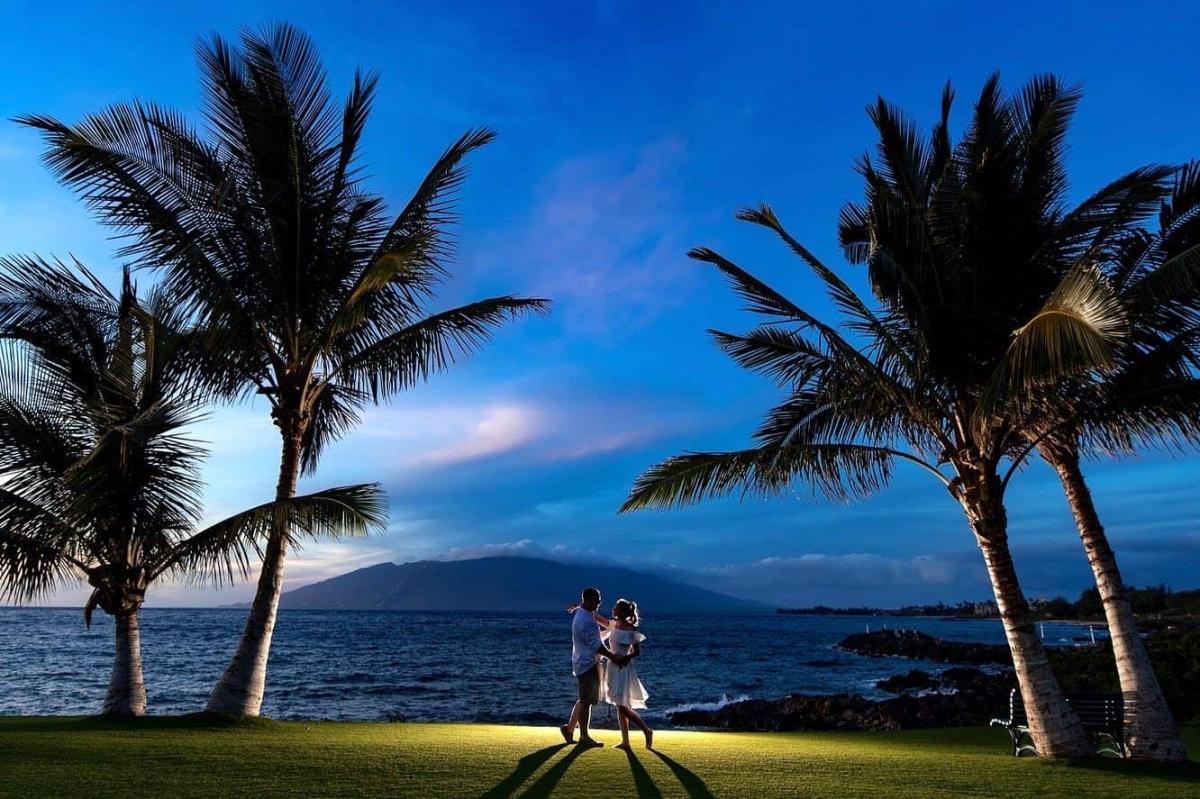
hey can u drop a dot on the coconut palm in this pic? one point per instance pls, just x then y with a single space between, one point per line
262 226
1151 396
99 478
936 373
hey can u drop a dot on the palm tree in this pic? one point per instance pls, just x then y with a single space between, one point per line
985 284
99 477
1151 395
265 230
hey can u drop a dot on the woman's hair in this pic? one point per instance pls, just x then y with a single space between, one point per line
626 610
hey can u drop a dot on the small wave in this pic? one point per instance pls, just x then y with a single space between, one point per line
709 706
437 676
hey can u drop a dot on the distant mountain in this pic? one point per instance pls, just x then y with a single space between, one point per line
505 584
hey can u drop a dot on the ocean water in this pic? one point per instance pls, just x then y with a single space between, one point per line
446 666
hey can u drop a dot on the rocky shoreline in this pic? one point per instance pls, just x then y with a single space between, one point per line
919 646
971 691
958 696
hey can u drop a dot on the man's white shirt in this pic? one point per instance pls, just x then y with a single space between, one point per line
585 642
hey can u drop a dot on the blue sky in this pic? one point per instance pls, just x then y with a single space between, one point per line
630 132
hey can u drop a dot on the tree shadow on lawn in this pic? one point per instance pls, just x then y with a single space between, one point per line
192 721
546 783
1172 772
646 789
526 766
696 788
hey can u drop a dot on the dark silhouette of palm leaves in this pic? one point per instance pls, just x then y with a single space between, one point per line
100 480
986 283
990 293
314 296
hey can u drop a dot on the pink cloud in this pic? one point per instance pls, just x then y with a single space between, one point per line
604 443
499 429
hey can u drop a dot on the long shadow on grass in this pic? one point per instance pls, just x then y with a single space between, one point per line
646 789
192 721
547 782
521 772
695 787
1172 772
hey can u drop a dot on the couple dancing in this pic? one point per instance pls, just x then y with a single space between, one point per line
616 640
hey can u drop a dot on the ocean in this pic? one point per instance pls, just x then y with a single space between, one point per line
492 667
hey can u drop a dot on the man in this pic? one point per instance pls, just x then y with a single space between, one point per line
586 651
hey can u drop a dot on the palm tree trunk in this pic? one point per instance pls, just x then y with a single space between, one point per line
126 687
240 689
1053 725
1150 732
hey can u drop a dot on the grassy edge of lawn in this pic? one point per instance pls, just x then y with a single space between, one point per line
206 755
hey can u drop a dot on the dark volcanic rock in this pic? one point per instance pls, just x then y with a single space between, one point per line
915 680
919 646
962 697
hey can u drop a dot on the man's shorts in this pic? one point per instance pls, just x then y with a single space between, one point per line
589 686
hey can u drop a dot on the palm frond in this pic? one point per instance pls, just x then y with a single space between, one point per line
835 470
1075 333
783 355
38 551
411 355
760 298
861 317
223 551
335 413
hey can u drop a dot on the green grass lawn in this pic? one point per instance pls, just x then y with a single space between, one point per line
189 757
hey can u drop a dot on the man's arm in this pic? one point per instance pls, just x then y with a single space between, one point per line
596 645
620 660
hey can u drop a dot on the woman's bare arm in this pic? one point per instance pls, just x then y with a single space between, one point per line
603 621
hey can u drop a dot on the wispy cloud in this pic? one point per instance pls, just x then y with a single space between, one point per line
498 430
525 548
603 238
544 431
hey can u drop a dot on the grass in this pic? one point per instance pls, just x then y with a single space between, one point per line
203 757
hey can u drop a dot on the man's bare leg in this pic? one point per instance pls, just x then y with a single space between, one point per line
568 729
585 718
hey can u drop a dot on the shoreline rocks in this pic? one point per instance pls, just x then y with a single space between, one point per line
919 646
960 697
915 680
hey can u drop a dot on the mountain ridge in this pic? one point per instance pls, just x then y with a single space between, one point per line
504 583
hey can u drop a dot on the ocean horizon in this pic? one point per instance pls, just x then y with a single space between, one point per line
486 666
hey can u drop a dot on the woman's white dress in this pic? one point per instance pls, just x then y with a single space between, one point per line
621 685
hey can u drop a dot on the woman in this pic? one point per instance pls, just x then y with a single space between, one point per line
621 686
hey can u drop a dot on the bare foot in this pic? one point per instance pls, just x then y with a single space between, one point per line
588 743
649 739
624 745
566 731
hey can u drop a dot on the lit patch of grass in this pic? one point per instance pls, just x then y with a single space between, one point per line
202 756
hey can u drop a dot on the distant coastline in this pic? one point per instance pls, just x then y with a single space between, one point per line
1158 604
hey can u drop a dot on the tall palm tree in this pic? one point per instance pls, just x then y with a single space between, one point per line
936 374
99 478
263 227
1152 395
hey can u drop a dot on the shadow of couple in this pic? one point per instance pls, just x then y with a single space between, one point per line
544 785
